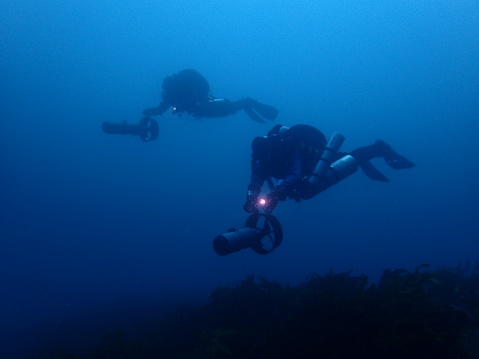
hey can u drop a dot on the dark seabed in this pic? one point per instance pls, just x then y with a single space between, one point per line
105 232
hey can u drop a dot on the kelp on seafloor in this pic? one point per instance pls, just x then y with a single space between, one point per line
415 314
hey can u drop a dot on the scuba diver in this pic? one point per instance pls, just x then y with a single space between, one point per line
188 92
298 162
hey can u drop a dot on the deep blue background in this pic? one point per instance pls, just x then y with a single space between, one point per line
95 227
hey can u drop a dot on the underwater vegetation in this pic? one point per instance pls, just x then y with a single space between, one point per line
419 314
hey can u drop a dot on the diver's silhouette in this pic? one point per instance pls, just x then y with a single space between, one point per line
297 163
303 163
188 92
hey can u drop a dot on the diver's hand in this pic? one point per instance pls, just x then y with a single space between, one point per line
270 203
250 206
272 199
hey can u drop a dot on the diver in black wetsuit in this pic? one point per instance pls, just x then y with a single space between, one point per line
188 91
291 157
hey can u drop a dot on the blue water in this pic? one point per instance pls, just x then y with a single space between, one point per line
96 228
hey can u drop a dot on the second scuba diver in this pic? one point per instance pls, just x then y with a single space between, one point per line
189 92
298 162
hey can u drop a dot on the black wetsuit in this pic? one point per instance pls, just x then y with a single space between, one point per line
188 92
292 155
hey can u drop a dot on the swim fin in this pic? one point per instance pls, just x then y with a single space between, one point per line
253 115
266 111
372 172
394 159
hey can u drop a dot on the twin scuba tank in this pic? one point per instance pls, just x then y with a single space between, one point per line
326 172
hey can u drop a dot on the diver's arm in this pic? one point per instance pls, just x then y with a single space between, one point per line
254 189
258 177
286 185
160 110
256 182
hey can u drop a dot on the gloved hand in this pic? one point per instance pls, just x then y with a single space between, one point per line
250 206
272 199
251 198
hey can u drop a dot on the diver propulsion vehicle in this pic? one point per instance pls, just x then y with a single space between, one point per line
147 128
262 231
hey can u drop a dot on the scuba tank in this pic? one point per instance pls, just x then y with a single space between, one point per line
326 172
329 152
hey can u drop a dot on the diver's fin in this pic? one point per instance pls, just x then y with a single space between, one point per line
394 159
253 115
399 163
372 172
266 111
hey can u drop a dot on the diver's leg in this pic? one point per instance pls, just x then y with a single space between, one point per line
366 153
392 158
246 105
216 107
363 155
257 111
382 149
266 111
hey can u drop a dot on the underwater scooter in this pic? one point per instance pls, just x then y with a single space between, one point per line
147 128
262 231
